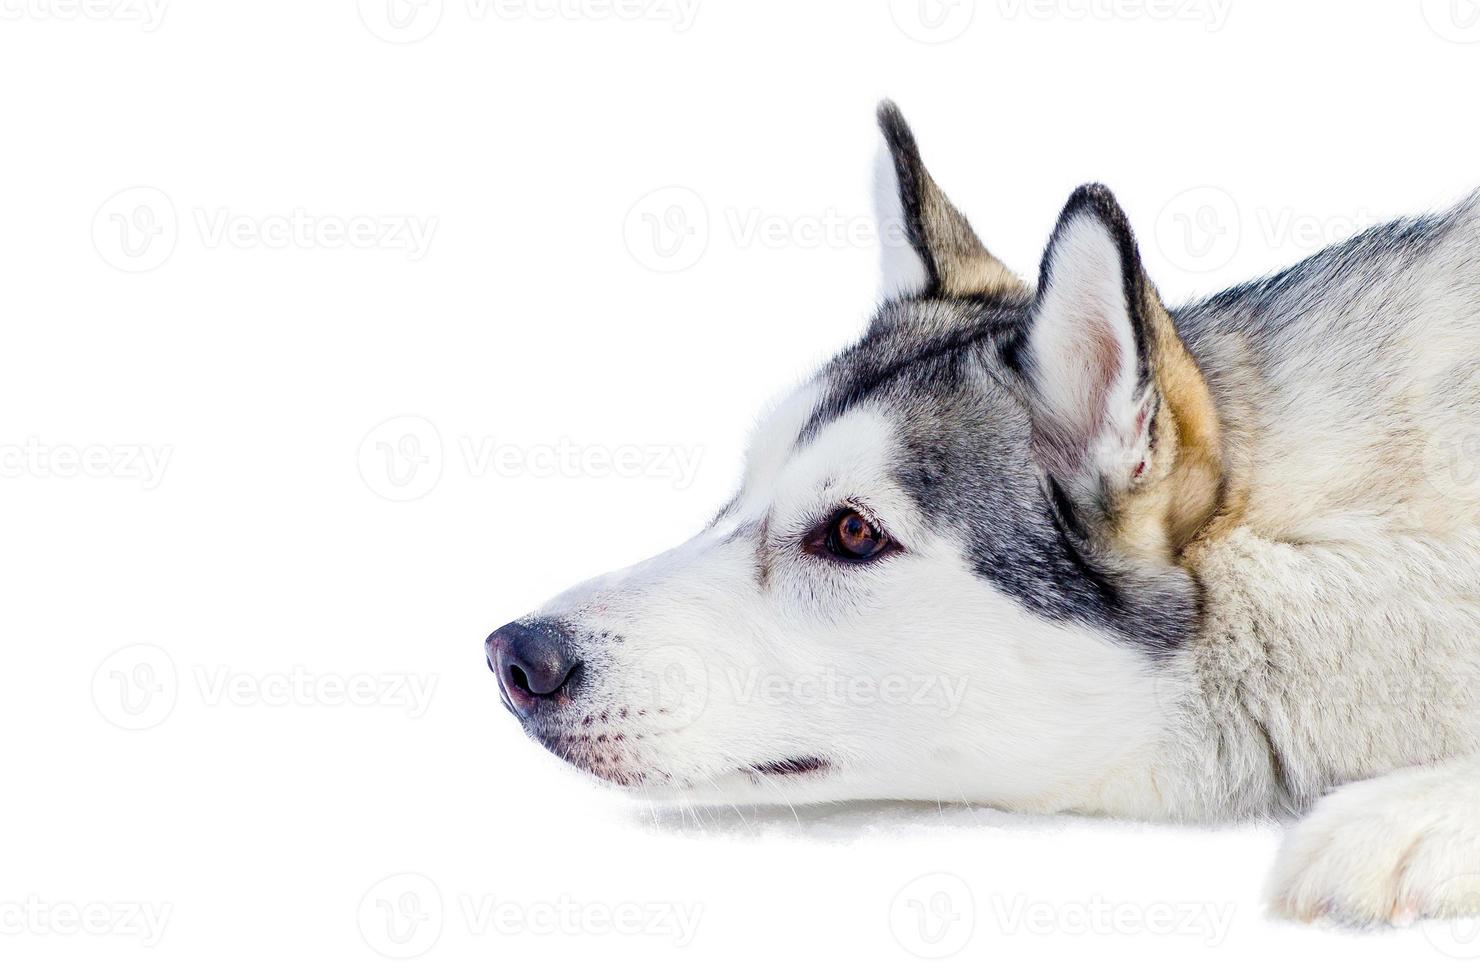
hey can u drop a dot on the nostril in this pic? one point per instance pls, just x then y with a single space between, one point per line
533 661
519 679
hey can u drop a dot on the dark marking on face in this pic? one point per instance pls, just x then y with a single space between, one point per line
914 340
941 372
763 554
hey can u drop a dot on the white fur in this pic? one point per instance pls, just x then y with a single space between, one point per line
1081 321
1337 640
901 270
992 704
1390 850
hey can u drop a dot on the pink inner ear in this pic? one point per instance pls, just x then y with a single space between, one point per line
1142 417
1102 357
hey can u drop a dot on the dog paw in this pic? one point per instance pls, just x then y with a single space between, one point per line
1387 851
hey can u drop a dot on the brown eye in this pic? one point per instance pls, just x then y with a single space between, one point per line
853 538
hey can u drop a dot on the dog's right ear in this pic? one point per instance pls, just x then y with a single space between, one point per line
929 248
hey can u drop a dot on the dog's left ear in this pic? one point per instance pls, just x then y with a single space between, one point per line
929 248
1123 422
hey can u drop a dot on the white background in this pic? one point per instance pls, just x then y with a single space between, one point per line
186 281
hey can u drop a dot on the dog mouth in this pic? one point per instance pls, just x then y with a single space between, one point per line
616 758
796 766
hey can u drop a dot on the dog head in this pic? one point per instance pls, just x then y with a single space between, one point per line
953 561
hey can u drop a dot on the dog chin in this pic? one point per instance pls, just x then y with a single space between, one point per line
797 779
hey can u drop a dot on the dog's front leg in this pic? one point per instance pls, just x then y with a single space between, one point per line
1393 849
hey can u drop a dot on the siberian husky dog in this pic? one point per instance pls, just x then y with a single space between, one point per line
1054 547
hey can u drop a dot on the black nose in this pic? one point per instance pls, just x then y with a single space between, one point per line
534 662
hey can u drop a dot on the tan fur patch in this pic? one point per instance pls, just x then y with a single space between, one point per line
1185 483
964 265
